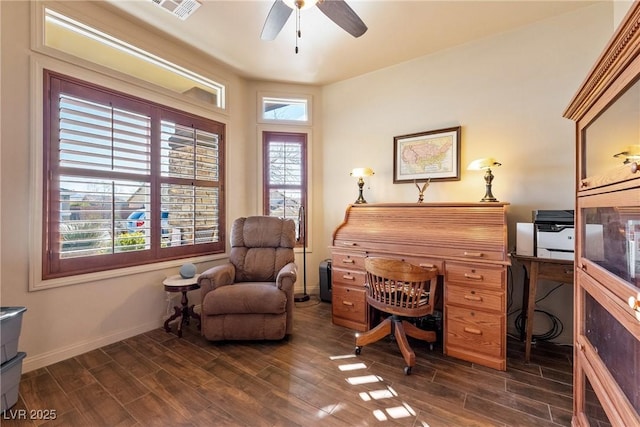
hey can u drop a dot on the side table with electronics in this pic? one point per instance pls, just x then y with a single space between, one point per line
184 312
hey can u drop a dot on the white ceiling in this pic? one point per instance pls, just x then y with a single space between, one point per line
229 30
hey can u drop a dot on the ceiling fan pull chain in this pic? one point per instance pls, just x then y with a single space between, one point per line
298 33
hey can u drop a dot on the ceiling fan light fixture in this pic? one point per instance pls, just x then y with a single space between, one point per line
300 4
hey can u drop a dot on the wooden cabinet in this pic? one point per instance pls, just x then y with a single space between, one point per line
475 313
606 110
466 242
347 289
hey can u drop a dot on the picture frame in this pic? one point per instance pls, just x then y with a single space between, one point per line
432 155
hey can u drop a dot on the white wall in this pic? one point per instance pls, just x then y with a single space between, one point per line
508 92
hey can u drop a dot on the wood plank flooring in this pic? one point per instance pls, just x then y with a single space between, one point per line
311 379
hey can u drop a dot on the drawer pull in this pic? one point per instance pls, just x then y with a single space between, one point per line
349 303
350 244
474 254
473 331
473 298
348 261
348 277
427 265
473 276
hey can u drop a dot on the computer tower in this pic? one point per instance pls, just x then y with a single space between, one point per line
325 280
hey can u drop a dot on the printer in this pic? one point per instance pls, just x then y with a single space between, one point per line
550 235
553 234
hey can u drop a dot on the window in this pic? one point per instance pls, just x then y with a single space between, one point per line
285 176
127 181
285 110
76 38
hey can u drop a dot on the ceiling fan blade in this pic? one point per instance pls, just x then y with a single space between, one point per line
340 13
277 17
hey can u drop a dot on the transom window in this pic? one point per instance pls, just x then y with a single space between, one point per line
285 110
91 44
127 181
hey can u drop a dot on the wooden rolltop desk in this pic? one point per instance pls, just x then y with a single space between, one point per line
467 242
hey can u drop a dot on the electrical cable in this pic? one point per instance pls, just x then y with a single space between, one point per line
556 324
509 288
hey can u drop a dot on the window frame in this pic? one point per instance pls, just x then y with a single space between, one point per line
301 138
301 98
157 253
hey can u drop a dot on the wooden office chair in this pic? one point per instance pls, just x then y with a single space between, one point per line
403 291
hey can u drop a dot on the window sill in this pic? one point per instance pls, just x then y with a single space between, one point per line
37 284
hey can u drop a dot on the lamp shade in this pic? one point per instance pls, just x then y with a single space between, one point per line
481 164
630 153
360 172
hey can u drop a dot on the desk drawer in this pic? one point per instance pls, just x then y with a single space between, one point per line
474 275
557 272
475 330
348 260
474 298
349 303
424 262
340 276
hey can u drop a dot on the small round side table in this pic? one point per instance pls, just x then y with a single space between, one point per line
178 284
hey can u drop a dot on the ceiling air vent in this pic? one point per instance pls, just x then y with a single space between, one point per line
180 8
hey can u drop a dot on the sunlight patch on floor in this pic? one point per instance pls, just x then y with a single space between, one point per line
352 367
342 356
403 411
325 412
365 379
379 414
385 393
378 394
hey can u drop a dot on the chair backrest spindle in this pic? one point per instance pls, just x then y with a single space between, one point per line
400 288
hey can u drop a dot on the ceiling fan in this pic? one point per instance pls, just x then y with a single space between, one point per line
336 10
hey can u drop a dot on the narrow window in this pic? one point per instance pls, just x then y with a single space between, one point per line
285 176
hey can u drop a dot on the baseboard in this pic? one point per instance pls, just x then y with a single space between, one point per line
59 354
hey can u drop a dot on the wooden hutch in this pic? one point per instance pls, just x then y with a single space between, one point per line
467 242
606 110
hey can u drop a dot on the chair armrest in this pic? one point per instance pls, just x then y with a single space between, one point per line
287 277
219 275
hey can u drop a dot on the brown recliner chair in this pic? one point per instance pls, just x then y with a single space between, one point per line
251 296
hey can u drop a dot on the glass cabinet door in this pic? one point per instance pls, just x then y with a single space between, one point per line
613 139
608 284
612 240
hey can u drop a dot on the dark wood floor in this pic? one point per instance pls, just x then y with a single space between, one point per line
311 379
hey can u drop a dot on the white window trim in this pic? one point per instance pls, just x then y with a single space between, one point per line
297 96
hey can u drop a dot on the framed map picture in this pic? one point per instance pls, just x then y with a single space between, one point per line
433 155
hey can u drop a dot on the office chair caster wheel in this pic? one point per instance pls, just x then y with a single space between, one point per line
358 350
407 370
